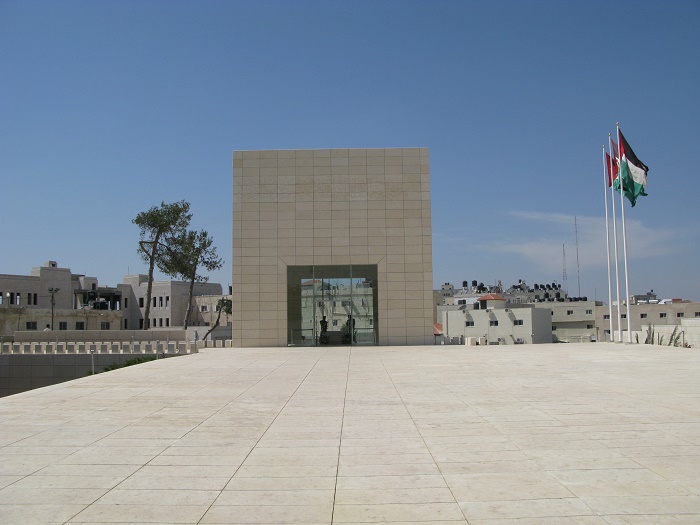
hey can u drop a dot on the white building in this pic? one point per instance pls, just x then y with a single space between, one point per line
490 321
168 301
54 296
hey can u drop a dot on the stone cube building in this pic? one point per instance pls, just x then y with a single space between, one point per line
332 246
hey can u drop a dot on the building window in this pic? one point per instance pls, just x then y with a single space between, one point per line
126 302
569 312
63 325
335 322
140 302
554 328
29 299
589 327
371 321
80 325
469 323
160 322
662 315
31 325
606 316
140 324
680 314
154 302
104 325
167 300
606 332
167 321
126 324
624 316
518 322
493 323
204 308
589 312
643 316
697 314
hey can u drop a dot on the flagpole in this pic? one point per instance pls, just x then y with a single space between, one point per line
615 244
607 180
624 238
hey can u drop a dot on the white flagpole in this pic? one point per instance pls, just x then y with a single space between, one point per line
617 259
624 238
608 169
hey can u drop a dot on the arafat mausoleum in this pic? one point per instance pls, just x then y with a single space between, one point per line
332 247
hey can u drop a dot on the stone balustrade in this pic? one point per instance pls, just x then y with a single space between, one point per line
110 347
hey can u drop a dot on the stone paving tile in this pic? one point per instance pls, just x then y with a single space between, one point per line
589 434
544 520
526 508
69 482
506 486
99 513
652 519
14 495
187 497
269 514
376 496
282 484
305 497
689 505
19 513
391 512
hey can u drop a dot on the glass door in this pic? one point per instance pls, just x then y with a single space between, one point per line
332 305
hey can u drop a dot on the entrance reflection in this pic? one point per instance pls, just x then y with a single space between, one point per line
332 305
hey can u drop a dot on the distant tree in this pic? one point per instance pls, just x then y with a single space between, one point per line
159 227
223 305
185 255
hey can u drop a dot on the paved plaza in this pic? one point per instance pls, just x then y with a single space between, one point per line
584 434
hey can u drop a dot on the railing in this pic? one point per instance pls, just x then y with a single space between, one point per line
100 347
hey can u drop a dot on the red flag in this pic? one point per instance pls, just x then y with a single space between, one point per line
612 169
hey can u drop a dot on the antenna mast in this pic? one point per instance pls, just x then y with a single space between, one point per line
564 279
578 268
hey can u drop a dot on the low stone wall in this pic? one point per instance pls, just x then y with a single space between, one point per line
25 366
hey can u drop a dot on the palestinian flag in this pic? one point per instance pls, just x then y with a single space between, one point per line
611 165
633 172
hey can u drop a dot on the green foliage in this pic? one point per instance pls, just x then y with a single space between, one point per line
159 227
130 362
225 306
186 254
189 251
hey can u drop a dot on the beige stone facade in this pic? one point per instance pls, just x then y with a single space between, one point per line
332 208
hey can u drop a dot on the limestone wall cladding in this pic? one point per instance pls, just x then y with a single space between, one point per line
332 207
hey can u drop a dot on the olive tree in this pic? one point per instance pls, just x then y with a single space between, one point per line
225 306
159 227
189 252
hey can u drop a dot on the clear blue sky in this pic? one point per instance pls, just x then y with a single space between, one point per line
108 108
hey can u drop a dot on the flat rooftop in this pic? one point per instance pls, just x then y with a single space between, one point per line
584 434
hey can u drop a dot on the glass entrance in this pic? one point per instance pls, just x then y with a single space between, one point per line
332 305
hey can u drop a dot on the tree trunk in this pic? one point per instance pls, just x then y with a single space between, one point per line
218 319
189 303
149 288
